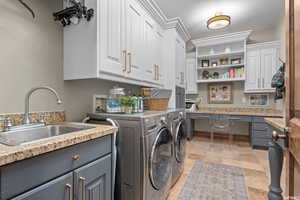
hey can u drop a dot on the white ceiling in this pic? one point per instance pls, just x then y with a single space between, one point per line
245 14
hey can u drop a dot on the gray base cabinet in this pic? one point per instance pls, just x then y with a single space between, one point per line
59 189
79 172
93 181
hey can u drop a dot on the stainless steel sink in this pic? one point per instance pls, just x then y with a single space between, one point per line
13 138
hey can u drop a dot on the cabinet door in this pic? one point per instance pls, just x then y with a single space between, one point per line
59 189
159 56
177 62
150 47
191 76
269 62
135 40
253 81
112 54
93 181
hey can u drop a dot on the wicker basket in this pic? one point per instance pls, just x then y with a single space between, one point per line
156 104
156 99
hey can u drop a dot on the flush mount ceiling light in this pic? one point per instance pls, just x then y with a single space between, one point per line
219 21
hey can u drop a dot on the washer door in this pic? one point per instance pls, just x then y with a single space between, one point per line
180 142
161 159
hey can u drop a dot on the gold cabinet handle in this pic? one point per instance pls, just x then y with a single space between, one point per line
82 180
76 157
125 60
157 72
129 60
154 71
70 191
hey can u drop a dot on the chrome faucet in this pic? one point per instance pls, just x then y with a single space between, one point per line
27 119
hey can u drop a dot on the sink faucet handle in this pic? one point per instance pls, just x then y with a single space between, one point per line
7 123
44 117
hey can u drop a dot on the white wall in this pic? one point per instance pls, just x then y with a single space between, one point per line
31 54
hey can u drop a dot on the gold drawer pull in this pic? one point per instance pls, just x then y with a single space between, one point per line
82 179
76 157
69 188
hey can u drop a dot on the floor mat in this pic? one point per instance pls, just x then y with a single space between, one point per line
210 181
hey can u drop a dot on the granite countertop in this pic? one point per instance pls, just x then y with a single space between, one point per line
263 112
10 154
277 123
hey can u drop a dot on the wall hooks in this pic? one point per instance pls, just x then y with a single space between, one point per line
27 7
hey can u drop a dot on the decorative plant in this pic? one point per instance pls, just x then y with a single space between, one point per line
128 103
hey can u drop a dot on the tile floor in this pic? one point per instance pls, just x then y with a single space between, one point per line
254 163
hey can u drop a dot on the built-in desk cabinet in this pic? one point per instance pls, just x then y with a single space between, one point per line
260 132
66 174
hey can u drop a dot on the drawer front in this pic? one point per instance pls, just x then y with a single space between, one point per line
260 126
259 119
241 118
22 176
261 134
58 189
260 142
199 116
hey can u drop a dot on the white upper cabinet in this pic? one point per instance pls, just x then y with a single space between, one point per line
262 64
112 57
253 70
134 42
180 62
149 49
191 76
120 43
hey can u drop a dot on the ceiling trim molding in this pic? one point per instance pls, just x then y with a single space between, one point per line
155 11
221 39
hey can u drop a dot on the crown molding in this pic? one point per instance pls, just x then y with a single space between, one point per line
155 11
222 39
275 43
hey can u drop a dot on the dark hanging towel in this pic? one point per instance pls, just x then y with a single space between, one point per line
278 82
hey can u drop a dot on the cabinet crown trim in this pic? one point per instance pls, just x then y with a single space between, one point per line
167 23
222 39
276 43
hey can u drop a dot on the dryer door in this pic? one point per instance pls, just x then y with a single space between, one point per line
160 164
180 142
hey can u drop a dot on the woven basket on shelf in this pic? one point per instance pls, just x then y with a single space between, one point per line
152 100
156 104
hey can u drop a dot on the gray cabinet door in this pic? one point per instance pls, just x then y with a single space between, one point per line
59 189
93 181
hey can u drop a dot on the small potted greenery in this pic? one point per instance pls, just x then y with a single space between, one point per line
127 104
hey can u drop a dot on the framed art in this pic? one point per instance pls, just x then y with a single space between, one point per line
220 93
205 63
236 61
224 61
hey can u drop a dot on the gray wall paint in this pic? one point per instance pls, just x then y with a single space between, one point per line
31 54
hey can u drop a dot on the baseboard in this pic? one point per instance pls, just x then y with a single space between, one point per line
239 138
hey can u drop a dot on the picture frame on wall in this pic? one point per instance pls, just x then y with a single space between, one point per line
220 93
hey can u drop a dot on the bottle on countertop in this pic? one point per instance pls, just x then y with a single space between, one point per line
140 104
136 104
